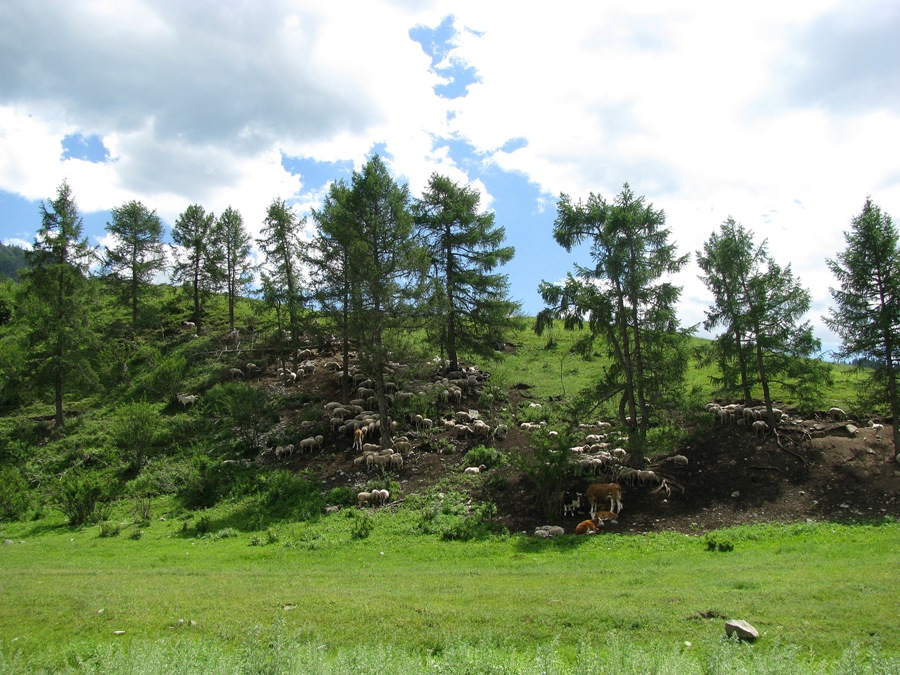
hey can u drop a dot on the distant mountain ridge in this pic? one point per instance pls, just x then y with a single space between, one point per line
12 259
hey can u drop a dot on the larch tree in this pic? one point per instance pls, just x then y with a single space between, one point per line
728 259
283 247
199 258
761 305
137 253
388 267
332 273
626 300
235 246
866 314
470 304
56 301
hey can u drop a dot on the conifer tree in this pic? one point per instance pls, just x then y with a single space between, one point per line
866 314
137 253
56 301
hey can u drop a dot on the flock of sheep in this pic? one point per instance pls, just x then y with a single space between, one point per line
361 427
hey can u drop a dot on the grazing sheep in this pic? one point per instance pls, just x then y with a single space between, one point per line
474 469
307 444
284 451
396 462
364 499
383 496
187 399
586 527
646 477
760 427
332 509
252 368
236 373
600 492
680 460
836 414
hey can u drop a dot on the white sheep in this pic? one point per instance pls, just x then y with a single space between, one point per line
396 462
187 399
836 414
681 460
876 426
760 427
474 469
236 373
307 444
364 499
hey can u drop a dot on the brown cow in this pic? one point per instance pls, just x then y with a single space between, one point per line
586 527
597 493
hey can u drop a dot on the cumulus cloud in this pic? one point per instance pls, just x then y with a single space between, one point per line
776 114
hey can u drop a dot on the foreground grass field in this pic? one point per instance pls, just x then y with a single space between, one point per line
335 596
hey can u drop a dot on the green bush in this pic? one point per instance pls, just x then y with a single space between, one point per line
449 515
340 496
83 497
718 543
490 457
15 498
362 525
134 429
247 411
287 495
109 529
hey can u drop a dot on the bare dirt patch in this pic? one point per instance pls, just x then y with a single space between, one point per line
733 476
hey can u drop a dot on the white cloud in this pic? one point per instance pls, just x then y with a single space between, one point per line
764 112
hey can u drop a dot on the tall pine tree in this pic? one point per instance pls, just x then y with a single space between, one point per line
56 301
866 314
137 253
470 304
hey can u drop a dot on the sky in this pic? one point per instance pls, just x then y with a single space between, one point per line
784 116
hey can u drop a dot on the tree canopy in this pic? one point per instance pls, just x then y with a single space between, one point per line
866 314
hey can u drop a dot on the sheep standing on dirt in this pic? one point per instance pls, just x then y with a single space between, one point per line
836 414
760 427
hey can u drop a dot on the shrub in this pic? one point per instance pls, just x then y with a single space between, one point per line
247 410
83 497
109 529
284 494
718 543
548 468
340 496
134 429
490 457
362 525
449 515
15 499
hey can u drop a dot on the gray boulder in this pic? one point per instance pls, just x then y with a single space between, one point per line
741 629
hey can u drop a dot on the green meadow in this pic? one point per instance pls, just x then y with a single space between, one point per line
331 596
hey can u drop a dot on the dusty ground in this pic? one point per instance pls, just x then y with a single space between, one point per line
732 478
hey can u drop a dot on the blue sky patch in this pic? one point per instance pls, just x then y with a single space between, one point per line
438 43
315 174
88 148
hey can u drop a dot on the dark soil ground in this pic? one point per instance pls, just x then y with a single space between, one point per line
813 469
